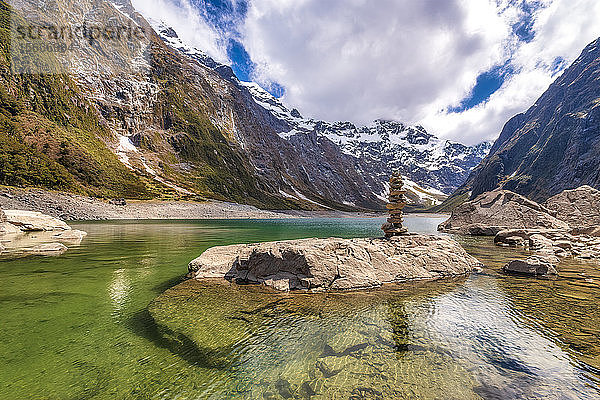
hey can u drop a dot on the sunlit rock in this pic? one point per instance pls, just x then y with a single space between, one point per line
34 221
580 207
492 212
335 264
24 233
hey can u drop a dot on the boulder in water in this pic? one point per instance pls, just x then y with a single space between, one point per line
335 264
534 266
24 233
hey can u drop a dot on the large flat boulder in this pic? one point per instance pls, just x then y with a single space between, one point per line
335 264
492 212
24 233
30 221
580 207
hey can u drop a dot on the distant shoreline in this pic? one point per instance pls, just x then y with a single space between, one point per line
71 207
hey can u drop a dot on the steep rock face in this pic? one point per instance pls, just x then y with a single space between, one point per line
580 207
554 145
309 170
492 212
341 155
437 166
335 264
51 135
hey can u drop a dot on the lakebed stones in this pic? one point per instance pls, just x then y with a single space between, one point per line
553 243
492 212
344 345
335 264
397 201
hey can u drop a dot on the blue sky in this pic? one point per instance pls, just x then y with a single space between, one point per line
460 68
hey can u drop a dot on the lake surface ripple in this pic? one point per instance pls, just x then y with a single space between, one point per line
114 319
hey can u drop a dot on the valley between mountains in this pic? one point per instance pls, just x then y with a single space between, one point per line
156 118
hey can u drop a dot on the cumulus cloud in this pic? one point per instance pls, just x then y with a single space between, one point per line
562 29
414 60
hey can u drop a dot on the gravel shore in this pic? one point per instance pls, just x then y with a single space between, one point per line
70 207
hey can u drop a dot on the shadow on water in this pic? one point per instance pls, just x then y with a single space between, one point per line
169 284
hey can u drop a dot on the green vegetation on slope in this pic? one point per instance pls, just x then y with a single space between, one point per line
51 137
220 169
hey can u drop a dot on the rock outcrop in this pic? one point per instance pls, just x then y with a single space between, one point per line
335 264
31 221
25 233
492 212
580 207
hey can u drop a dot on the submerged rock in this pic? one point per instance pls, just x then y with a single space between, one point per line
535 265
335 264
48 249
492 212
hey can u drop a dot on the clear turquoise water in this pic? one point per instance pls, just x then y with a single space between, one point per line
79 326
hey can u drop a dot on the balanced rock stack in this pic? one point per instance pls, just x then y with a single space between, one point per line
397 201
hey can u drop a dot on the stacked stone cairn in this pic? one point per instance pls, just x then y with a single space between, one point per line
397 201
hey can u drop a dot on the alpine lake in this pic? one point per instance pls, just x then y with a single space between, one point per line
114 318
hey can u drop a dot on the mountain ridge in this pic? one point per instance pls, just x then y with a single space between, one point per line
393 145
554 145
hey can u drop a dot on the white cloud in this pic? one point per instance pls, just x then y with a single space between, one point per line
410 60
191 27
562 29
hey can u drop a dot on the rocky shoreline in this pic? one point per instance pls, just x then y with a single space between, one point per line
71 207
566 225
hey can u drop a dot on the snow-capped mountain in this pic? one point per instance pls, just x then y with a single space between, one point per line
433 167
439 166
